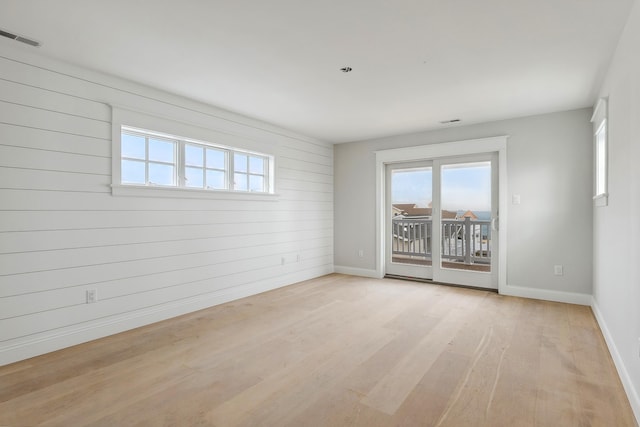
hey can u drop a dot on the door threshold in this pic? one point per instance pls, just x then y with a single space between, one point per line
422 280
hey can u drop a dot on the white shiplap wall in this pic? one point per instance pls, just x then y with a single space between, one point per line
62 232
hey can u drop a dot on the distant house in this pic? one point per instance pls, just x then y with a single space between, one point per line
410 210
467 214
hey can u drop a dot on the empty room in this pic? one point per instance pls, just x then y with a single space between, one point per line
337 213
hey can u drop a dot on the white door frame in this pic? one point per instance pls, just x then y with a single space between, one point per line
424 272
488 280
433 151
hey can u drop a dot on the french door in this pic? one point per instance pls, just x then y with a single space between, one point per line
440 220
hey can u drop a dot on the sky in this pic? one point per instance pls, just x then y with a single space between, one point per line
464 186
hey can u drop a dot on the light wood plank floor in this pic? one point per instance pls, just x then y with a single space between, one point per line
334 351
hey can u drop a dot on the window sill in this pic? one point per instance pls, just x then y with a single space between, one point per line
188 193
601 200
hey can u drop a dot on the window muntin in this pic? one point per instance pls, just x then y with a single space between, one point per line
151 159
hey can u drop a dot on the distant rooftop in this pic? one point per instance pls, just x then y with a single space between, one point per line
410 210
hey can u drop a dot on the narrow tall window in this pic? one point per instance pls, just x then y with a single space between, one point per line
600 151
601 159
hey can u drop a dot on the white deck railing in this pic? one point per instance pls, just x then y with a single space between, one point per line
465 241
412 237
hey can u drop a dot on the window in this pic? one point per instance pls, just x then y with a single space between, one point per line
601 159
158 160
600 135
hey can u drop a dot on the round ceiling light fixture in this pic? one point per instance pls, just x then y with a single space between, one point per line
346 69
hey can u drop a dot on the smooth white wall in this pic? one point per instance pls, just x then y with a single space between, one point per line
616 288
549 166
63 232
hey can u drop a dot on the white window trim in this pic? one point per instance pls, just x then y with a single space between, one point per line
142 122
600 123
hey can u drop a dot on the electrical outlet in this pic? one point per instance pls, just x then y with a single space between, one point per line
516 199
92 296
558 270
361 253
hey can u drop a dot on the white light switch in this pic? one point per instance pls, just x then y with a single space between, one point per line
515 199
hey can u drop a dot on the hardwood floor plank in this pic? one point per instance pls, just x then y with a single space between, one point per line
395 386
516 384
429 399
345 346
334 351
486 365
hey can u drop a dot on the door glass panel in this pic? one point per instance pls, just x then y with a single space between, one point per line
411 225
466 216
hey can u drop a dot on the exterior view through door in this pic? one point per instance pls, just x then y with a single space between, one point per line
441 220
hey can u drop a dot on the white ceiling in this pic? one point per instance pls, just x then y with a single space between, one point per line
415 62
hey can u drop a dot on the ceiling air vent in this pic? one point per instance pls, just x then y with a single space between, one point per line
19 38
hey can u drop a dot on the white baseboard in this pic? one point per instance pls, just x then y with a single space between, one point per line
546 294
78 334
632 393
352 271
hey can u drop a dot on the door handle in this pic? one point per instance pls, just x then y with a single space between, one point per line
494 224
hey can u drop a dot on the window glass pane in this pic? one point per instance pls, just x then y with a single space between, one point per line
240 162
600 160
216 180
161 150
256 165
193 155
194 177
132 172
240 182
133 146
216 159
256 183
161 174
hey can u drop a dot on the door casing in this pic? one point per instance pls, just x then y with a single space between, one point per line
434 151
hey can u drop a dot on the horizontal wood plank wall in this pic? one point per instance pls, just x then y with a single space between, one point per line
62 232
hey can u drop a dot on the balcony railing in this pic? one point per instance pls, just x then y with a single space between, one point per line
467 241
412 237
462 241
